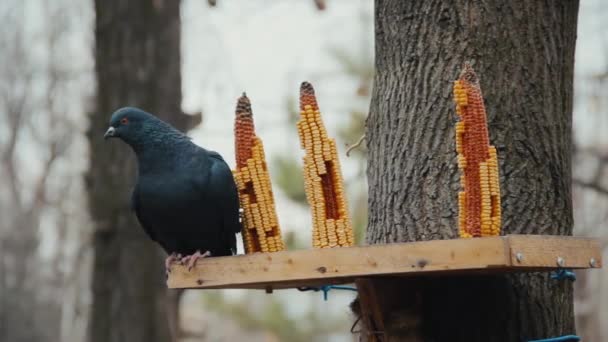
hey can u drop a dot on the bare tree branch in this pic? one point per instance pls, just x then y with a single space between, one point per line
595 181
591 185
321 5
355 145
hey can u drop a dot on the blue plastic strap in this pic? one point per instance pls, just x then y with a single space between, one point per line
563 274
566 338
327 288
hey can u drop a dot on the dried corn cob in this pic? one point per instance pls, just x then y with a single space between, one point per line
479 202
261 231
322 177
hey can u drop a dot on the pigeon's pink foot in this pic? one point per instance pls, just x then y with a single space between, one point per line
173 257
190 260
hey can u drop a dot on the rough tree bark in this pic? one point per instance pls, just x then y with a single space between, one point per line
523 52
137 53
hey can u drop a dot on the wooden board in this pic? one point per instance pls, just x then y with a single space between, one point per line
315 267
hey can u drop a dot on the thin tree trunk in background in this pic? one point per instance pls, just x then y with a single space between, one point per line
21 312
523 52
137 53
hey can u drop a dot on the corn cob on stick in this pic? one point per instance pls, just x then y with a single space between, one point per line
322 177
261 231
479 202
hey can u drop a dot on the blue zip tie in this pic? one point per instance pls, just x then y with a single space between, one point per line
563 274
326 289
566 338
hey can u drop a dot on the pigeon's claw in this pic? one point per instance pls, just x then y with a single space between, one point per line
172 258
190 260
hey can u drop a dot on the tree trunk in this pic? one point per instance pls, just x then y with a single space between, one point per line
137 53
523 52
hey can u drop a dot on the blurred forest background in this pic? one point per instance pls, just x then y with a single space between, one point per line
48 90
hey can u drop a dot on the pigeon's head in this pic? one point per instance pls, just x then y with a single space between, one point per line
131 125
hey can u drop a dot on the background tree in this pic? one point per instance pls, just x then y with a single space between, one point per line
524 54
137 54
590 166
40 99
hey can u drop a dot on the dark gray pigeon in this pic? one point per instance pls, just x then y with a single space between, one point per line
185 197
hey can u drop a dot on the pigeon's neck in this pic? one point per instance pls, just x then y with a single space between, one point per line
160 152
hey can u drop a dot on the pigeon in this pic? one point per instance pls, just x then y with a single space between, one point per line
185 197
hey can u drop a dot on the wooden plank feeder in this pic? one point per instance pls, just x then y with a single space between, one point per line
290 269
335 260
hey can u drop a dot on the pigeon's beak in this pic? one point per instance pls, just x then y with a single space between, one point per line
109 133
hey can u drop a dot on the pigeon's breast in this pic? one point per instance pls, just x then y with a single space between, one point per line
171 199
179 214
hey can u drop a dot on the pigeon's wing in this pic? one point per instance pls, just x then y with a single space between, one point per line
135 206
223 189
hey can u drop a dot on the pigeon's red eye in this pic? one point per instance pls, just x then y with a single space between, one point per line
124 121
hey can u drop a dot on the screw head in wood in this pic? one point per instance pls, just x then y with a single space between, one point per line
519 256
592 262
560 261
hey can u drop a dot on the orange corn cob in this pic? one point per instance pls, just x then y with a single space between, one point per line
261 231
479 202
322 177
